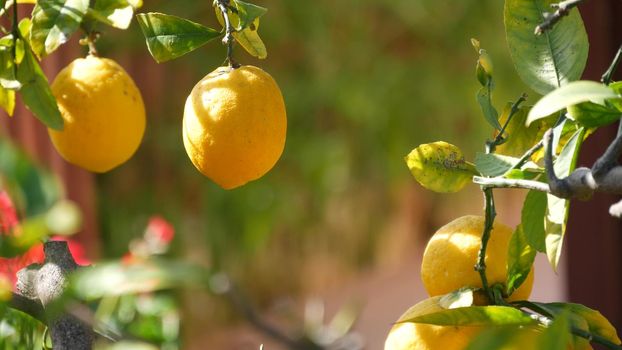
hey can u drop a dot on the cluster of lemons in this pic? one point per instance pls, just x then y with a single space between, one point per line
448 265
234 122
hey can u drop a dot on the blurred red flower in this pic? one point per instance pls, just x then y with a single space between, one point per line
159 229
10 266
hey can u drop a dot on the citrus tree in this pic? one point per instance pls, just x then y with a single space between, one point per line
478 271
234 127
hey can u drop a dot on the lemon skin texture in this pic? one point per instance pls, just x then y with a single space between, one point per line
234 125
103 114
451 254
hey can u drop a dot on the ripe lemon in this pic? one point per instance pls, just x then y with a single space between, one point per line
103 113
450 256
234 125
419 336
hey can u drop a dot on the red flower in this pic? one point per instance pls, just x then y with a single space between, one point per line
160 230
8 214
34 255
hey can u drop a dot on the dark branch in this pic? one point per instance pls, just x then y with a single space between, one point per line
28 306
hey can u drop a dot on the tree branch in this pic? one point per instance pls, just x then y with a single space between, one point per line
563 9
28 306
499 182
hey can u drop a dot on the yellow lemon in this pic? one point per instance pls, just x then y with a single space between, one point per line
234 125
103 114
451 254
419 336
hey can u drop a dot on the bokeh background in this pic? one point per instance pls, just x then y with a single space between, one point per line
339 221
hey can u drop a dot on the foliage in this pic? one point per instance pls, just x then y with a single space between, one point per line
550 62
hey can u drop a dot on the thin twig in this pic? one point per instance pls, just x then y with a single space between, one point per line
606 78
563 9
228 40
499 139
499 182
525 158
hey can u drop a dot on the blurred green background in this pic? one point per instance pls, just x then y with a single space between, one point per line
364 81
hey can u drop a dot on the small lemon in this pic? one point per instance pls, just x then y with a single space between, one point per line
103 114
451 254
419 336
235 125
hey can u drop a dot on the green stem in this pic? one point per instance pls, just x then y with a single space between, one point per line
15 34
606 78
480 266
515 107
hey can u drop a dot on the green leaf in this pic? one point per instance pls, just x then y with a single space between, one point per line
251 42
7 100
592 115
597 323
532 219
169 37
116 13
247 37
494 338
247 13
520 260
557 336
440 167
53 23
459 298
568 95
493 164
475 316
36 92
550 60
119 278
557 208
490 113
8 80
518 174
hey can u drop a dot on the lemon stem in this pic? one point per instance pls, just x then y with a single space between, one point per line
15 34
228 40
480 266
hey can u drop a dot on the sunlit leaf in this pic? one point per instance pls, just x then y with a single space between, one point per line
557 208
64 218
495 338
519 137
36 93
592 115
520 260
548 61
53 23
169 37
460 298
116 13
247 37
248 14
557 336
475 316
597 323
493 164
7 100
532 219
440 167
568 95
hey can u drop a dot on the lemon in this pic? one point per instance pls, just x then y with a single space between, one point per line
451 254
235 125
419 336
103 114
